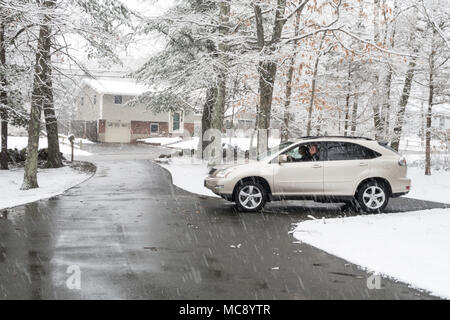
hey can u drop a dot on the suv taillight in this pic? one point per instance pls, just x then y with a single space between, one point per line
402 162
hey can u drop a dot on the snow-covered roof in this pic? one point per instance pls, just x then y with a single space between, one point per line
118 86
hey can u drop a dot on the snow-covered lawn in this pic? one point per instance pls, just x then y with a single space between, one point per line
189 175
432 188
51 183
412 247
64 146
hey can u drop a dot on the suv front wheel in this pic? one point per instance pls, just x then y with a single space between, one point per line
373 197
250 196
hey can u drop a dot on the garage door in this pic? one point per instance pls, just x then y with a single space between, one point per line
118 132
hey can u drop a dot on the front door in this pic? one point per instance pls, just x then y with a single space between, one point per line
176 122
302 174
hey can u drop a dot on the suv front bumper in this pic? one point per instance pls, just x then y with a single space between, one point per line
221 187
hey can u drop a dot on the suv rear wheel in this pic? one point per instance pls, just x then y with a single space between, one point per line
250 196
373 197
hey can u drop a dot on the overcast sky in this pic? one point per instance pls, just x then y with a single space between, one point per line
137 54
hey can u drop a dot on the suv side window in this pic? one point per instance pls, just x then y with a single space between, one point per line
358 152
348 151
305 152
336 151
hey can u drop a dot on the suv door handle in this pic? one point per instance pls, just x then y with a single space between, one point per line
317 166
362 164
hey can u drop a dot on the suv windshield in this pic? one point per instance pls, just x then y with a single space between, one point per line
270 152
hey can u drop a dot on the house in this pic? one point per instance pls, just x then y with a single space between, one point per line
102 113
240 118
244 118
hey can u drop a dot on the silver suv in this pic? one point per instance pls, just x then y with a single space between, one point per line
360 171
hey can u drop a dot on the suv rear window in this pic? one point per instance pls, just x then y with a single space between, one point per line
386 146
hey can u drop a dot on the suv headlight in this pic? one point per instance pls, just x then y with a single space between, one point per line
224 173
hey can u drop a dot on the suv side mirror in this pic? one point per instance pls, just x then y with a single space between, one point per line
282 158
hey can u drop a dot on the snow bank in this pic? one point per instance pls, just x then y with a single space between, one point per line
22 142
160 140
189 176
186 144
52 182
412 247
432 188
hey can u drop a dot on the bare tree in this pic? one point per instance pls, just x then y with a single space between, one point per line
41 77
285 128
3 101
267 66
313 84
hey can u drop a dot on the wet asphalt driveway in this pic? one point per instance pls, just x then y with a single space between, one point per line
133 235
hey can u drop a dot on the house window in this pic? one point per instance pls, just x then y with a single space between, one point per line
82 101
94 99
154 128
176 121
117 99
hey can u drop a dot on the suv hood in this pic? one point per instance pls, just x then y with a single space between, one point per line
214 169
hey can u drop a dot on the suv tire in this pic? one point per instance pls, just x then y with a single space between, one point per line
373 197
250 196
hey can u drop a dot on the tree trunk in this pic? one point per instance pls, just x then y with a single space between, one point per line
3 102
41 74
285 132
354 114
402 103
388 82
377 121
387 103
51 124
313 95
267 70
287 103
430 107
428 132
219 106
347 100
211 95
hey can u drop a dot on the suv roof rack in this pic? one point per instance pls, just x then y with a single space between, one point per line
340 137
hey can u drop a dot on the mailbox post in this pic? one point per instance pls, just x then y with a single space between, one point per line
72 141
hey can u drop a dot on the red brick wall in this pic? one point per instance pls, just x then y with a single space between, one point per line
101 126
164 128
140 127
189 127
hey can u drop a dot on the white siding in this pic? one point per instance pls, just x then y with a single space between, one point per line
88 111
112 111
